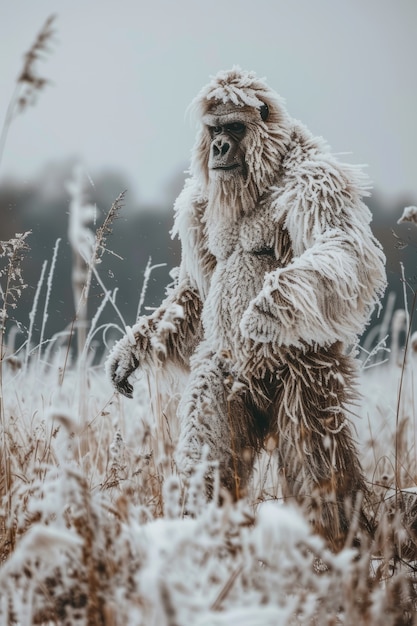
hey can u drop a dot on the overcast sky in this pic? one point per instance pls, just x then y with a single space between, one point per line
124 72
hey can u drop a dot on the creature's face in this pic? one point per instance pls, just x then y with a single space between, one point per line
228 128
225 155
243 136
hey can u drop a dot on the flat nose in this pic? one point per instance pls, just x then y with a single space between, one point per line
220 147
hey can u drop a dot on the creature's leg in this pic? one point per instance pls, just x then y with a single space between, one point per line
209 416
320 464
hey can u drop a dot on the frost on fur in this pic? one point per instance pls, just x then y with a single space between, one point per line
279 275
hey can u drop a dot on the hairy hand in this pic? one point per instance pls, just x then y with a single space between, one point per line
121 363
268 319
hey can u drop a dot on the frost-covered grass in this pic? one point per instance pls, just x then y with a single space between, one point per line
97 527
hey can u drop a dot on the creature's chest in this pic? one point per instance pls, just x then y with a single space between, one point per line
254 234
256 245
257 233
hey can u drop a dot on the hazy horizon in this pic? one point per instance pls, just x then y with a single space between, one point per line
122 76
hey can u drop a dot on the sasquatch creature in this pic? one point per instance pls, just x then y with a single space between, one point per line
279 275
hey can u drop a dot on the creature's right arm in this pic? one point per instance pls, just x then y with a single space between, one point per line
171 332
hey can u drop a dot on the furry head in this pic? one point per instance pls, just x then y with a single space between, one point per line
237 97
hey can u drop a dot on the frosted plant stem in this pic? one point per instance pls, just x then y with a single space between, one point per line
387 317
104 288
48 294
400 390
407 313
91 332
146 276
98 442
115 307
32 313
408 318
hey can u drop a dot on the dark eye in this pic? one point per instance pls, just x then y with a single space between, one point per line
236 127
215 130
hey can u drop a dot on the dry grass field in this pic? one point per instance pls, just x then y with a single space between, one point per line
96 526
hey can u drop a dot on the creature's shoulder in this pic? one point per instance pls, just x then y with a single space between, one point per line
312 169
318 192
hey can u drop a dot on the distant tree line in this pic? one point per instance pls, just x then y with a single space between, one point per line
142 233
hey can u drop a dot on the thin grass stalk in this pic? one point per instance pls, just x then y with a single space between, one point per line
146 276
379 332
98 441
92 330
82 368
404 284
387 317
32 314
81 290
99 247
48 294
13 250
400 389
28 83
108 298
85 268
106 328
112 300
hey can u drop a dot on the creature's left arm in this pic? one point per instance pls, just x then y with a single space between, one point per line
329 289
